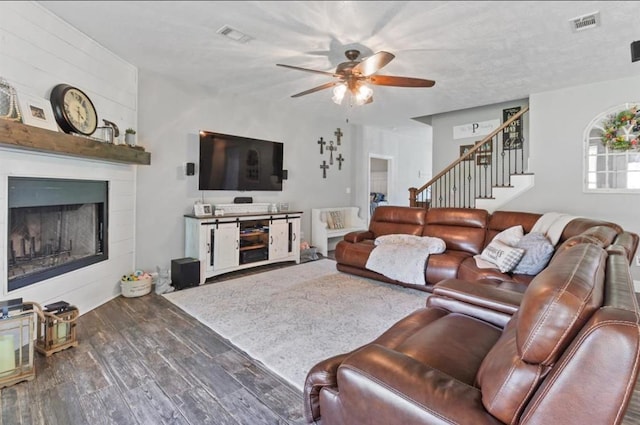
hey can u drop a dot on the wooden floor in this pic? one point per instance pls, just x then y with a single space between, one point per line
145 361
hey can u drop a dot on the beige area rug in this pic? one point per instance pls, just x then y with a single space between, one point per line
291 318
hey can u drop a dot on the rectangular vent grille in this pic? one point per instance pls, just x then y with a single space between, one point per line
234 34
585 22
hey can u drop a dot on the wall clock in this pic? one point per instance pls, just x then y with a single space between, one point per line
73 110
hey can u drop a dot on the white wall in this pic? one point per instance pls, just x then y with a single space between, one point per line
447 149
410 152
171 115
558 121
38 51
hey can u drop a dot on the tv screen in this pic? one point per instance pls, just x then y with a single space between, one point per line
239 163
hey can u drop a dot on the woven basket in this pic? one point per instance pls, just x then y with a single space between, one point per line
135 288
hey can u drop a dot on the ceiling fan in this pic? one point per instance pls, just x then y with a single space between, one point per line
354 76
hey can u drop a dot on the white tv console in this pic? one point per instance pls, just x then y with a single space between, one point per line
238 241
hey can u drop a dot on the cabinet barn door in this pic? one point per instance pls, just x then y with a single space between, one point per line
278 239
225 246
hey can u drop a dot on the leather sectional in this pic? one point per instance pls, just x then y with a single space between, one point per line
561 347
466 233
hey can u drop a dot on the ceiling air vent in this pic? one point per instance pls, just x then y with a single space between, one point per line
234 34
585 22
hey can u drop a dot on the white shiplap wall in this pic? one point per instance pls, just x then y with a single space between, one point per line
38 51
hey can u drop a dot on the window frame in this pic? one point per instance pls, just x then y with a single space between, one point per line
607 155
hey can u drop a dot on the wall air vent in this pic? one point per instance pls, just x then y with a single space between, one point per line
585 22
234 34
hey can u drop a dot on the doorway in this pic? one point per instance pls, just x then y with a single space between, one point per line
379 181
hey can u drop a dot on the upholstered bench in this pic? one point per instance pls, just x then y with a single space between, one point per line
329 225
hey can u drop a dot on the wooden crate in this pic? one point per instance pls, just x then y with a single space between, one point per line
57 331
16 348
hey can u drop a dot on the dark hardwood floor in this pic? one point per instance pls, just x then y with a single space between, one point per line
145 361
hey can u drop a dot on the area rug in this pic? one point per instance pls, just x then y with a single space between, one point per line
291 318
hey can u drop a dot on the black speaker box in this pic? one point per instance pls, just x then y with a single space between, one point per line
185 272
243 200
191 168
635 51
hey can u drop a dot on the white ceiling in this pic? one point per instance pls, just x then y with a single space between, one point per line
478 52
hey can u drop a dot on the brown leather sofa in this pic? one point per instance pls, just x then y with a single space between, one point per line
466 232
568 353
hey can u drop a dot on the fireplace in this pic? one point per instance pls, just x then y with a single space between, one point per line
54 226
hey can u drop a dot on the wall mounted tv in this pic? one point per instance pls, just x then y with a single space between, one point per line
239 163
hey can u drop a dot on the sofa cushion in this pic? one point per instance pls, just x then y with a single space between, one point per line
502 255
445 265
581 225
559 301
501 220
555 306
389 220
354 254
573 241
462 229
537 253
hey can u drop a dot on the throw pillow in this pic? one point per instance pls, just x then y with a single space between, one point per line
538 252
329 219
336 216
502 255
510 236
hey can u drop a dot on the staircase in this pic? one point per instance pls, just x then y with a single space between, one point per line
487 176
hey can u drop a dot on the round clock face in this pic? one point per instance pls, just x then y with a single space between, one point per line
73 110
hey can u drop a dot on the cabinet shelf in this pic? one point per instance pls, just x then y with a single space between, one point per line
250 247
243 235
21 136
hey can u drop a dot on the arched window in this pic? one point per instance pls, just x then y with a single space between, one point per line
612 150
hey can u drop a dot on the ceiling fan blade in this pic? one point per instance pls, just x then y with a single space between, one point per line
388 80
373 64
315 89
307 70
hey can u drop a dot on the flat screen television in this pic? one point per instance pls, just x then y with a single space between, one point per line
239 163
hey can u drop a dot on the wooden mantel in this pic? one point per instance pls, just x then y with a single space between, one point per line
21 136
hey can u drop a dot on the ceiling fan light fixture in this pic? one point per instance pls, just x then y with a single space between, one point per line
362 94
338 93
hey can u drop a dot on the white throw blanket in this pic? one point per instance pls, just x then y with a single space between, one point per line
403 257
552 225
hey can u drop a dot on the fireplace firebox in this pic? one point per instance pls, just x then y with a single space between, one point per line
54 226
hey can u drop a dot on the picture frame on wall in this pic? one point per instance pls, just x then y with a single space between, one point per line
487 147
512 136
464 149
36 111
483 159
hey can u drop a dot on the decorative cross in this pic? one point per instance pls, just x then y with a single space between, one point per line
339 135
331 148
324 167
340 158
321 142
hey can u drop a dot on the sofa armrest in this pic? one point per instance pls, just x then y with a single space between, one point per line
359 236
485 295
320 376
400 389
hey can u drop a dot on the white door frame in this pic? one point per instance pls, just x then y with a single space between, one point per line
389 160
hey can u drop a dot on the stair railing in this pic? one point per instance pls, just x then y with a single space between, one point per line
475 173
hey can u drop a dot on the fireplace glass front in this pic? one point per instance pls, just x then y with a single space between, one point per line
54 226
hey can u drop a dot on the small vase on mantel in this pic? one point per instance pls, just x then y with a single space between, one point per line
130 137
